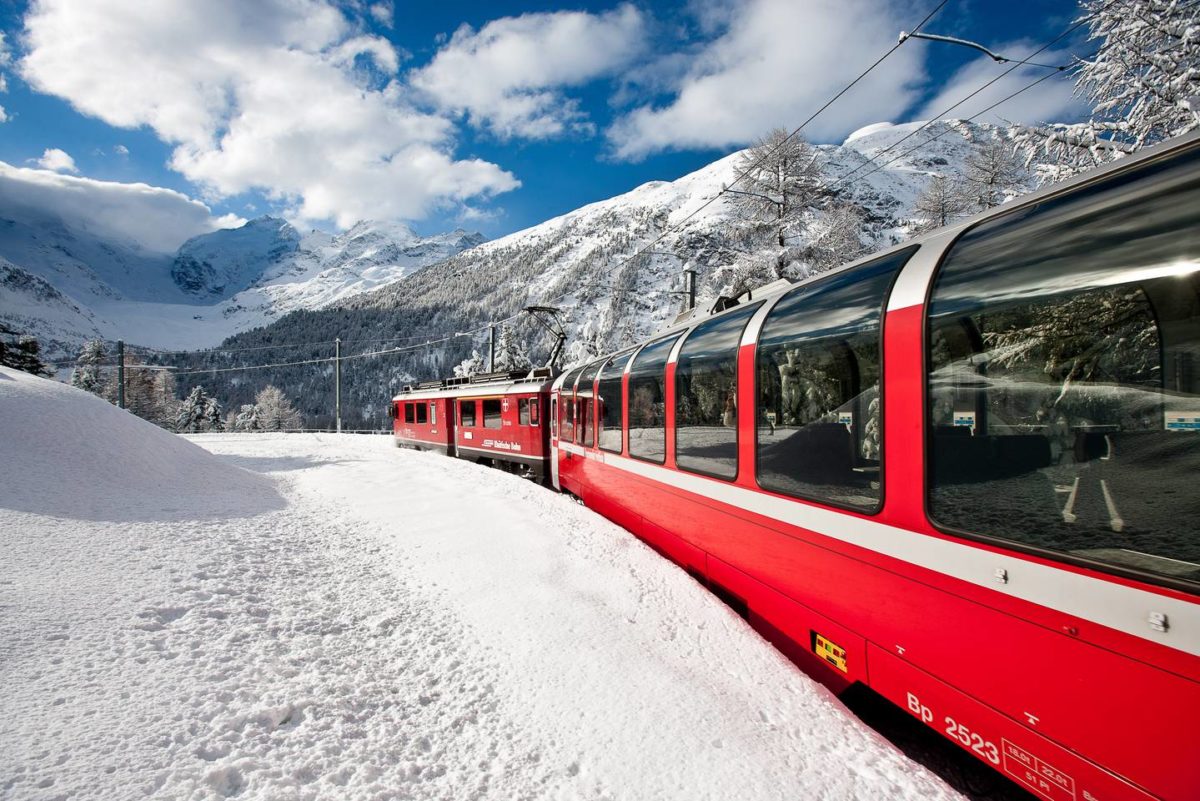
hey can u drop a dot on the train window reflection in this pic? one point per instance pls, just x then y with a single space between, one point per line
1064 395
706 396
491 413
648 401
818 371
611 402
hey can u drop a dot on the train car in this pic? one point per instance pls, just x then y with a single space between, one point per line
423 419
494 418
961 472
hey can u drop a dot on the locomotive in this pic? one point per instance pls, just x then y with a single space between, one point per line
961 472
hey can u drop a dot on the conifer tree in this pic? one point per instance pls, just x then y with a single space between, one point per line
274 412
1143 82
87 374
510 353
21 352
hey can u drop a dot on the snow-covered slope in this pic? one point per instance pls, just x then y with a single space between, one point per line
215 285
579 261
265 618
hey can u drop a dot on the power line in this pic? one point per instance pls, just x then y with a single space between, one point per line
940 116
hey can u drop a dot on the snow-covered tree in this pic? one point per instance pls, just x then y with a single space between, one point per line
943 201
992 172
21 352
782 181
246 419
837 239
510 353
1143 82
87 374
471 366
199 412
274 412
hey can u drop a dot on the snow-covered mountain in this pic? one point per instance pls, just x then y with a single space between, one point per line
580 261
65 283
583 262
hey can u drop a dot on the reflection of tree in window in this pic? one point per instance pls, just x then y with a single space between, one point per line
1062 339
818 372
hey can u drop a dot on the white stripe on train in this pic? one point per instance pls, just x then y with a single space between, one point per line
1117 606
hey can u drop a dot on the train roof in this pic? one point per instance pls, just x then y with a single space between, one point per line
499 383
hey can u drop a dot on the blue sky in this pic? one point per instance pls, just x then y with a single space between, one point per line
487 115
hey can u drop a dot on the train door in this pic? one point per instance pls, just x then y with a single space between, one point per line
554 439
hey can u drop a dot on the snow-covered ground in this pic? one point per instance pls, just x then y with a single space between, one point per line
321 616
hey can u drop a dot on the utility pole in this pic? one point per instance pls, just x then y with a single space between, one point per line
337 381
120 374
492 348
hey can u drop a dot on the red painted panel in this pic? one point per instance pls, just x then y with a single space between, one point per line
1098 701
1041 766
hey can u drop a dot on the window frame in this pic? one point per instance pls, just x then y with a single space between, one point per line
674 339
1058 558
523 412
908 252
421 407
410 415
535 405
499 415
620 377
462 418
737 354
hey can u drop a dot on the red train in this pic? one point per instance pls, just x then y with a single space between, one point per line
495 418
962 472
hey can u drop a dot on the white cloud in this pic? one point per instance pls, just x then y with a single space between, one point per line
159 219
774 63
121 150
285 96
1050 101
57 160
383 13
507 76
3 115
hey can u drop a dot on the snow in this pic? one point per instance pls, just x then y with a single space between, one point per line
304 616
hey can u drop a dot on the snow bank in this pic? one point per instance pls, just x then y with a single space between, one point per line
66 453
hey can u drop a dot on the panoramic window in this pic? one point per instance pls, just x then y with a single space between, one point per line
467 413
706 396
819 412
648 401
585 435
491 413
566 423
408 413
610 401
1064 347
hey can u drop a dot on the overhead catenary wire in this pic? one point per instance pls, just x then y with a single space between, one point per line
1057 71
